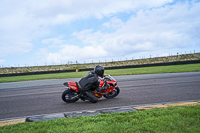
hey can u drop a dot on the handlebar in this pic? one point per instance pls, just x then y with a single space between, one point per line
105 82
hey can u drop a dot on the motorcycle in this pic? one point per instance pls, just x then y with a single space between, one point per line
72 94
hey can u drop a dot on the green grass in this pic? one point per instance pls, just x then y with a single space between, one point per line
130 71
158 69
172 119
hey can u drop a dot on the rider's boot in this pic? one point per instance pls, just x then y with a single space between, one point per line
83 98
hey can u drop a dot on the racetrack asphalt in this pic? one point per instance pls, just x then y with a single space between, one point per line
27 98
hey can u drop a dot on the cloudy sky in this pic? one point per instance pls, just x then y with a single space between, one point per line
44 32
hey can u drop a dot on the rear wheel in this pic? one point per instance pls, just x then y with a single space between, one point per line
112 94
70 96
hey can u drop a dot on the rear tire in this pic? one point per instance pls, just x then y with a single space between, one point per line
114 94
70 96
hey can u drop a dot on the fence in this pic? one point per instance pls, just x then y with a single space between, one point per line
144 61
88 61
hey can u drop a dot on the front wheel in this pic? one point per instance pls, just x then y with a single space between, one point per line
114 94
70 96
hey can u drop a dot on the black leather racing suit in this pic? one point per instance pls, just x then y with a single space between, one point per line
86 84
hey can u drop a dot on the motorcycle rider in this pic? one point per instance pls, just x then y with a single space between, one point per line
91 79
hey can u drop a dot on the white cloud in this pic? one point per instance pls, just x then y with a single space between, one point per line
114 23
41 12
166 27
37 26
73 53
14 48
53 41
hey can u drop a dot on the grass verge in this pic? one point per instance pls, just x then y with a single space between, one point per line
171 119
130 71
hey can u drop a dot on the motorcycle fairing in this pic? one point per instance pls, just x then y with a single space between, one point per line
111 81
112 86
72 85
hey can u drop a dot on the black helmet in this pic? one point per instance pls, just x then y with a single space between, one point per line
99 70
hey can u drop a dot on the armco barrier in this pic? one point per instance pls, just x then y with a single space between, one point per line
34 73
106 68
156 64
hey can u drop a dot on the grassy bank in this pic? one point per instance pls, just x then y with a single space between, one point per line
171 119
176 58
130 71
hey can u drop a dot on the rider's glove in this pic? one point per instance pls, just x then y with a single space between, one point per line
107 86
103 88
99 89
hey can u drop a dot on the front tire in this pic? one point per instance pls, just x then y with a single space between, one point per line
70 96
114 94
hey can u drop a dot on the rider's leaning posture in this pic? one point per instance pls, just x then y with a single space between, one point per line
91 79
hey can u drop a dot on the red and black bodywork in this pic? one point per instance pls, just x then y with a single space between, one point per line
72 94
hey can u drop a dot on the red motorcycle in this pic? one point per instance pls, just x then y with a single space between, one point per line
72 94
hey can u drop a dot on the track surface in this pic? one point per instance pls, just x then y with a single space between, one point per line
27 98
